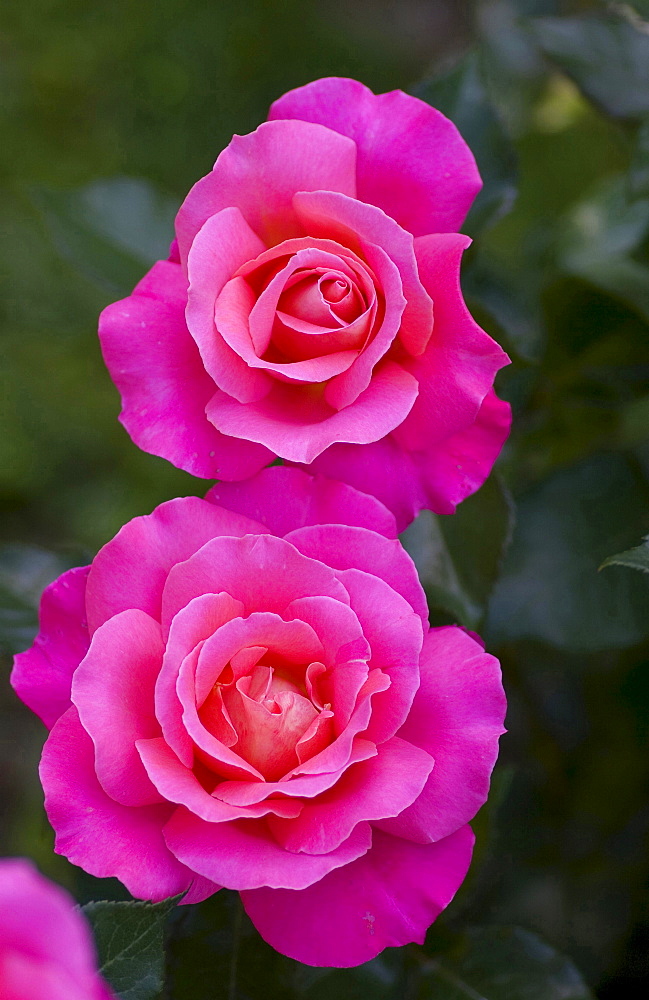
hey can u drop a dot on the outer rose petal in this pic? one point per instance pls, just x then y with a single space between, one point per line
412 161
457 716
259 173
113 692
437 479
95 832
457 370
164 387
347 547
131 570
244 855
387 898
40 924
42 675
284 499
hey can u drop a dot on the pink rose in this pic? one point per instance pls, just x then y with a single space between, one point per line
46 948
244 691
311 309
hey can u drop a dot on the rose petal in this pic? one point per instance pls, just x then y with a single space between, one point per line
259 173
95 832
225 242
385 784
113 692
356 224
177 783
42 676
412 161
394 632
284 499
437 479
199 619
387 898
62 937
307 786
344 547
130 571
457 370
297 424
164 387
457 716
244 855
263 572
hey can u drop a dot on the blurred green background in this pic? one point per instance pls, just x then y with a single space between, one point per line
108 113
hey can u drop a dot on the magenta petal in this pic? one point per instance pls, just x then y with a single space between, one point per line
164 387
395 634
458 368
284 499
41 676
457 716
437 479
260 172
244 855
95 832
112 691
130 571
40 923
369 790
344 547
387 898
412 161
265 573
298 426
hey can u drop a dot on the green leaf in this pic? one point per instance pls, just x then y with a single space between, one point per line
637 558
110 231
129 939
459 557
501 963
606 56
25 570
549 589
460 95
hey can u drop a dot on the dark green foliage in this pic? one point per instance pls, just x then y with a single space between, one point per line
501 963
129 938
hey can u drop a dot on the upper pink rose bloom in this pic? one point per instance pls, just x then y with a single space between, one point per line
311 308
46 948
244 691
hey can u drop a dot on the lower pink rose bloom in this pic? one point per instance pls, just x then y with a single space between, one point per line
46 947
244 691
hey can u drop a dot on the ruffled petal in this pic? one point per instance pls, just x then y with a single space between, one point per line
42 676
284 499
412 161
387 898
457 716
